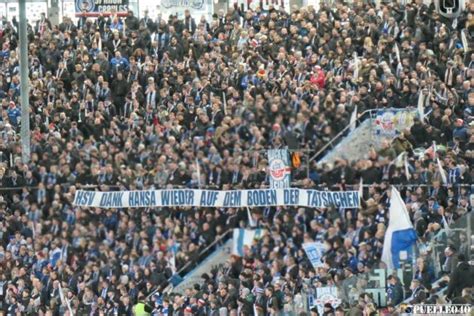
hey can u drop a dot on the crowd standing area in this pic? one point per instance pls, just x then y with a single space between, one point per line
128 103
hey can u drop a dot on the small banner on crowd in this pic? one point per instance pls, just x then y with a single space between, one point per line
324 295
96 7
244 238
212 198
279 168
197 8
390 122
314 251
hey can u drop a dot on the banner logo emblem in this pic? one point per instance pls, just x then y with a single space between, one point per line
278 169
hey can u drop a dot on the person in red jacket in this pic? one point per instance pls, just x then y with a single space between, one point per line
318 77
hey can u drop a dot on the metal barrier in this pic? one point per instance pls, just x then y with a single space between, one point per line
345 131
384 123
188 267
458 234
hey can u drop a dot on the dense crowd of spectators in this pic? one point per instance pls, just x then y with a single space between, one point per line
129 103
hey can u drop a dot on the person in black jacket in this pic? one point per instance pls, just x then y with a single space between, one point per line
273 305
394 291
462 277
419 133
131 21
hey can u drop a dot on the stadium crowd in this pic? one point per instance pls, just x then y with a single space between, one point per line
127 103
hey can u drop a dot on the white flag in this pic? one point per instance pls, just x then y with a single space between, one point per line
445 224
421 106
465 43
455 23
407 168
65 300
441 171
251 221
173 261
435 149
361 191
356 66
353 119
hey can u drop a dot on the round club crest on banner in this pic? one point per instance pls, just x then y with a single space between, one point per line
85 5
278 169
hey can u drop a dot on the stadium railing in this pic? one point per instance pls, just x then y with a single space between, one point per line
188 267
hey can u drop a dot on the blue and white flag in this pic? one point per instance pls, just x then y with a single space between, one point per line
279 168
244 238
54 256
400 235
314 251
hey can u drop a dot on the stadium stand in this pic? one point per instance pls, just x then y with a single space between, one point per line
127 104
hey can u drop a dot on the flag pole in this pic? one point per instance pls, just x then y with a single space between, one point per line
24 85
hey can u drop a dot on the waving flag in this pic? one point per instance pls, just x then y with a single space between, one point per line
421 106
442 172
353 121
251 220
465 43
400 235
407 167
244 238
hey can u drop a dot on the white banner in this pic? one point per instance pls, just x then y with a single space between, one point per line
197 8
265 5
212 198
314 251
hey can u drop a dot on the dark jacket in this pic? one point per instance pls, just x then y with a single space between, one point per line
395 294
461 278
